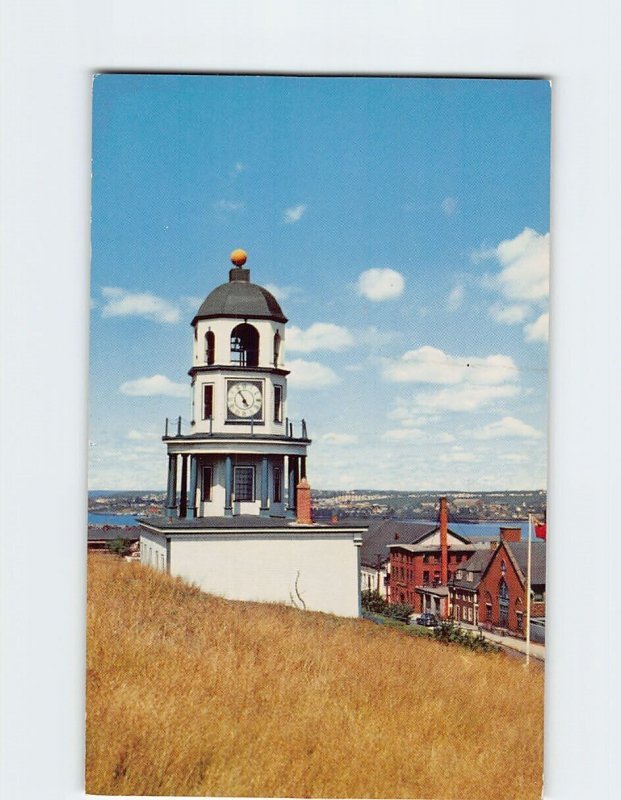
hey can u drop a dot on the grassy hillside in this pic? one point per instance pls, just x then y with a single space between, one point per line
190 694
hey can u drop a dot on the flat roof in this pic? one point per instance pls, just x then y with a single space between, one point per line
433 548
240 524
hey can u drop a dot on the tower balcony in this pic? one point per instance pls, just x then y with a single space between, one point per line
179 438
176 427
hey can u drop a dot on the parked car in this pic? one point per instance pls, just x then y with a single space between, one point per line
427 620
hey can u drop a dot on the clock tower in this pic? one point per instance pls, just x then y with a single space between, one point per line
242 455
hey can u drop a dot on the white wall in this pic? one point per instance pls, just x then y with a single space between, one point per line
368 577
265 567
153 551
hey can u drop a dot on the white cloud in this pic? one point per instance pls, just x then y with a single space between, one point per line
404 435
449 206
123 303
464 398
537 331
310 375
403 413
155 385
457 456
443 438
229 205
509 315
432 365
339 438
525 262
455 298
238 168
320 336
380 284
407 434
294 214
506 428
142 436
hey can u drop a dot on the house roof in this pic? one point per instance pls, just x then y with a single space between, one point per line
519 550
383 533
108 533
432 548
476 564
439 591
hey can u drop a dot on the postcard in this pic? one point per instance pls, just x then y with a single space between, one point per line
318 436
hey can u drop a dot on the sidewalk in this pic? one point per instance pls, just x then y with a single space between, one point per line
537 651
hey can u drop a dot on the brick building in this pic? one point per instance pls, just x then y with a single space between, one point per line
420 571
464 587
490 588
375 553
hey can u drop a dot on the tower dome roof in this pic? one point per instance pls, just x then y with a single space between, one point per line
240 299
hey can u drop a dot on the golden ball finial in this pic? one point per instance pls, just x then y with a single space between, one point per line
239 257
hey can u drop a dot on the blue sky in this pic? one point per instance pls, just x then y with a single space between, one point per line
402 223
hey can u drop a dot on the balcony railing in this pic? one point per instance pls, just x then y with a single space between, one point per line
293 428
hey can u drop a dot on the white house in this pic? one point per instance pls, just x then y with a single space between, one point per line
237 521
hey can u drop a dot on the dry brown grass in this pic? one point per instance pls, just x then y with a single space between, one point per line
189 694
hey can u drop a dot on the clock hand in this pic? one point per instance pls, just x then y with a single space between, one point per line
244 401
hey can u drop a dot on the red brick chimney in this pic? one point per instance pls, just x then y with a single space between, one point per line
303 491
510 534
443 541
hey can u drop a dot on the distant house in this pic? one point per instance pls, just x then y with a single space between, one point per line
416 570
502 589
463 587
422 565
375 555
101 536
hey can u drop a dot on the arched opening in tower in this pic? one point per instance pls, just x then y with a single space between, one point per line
245 345
210 347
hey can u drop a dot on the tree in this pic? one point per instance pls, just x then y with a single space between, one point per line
120 546
373 601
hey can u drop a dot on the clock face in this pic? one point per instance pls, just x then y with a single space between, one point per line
244 399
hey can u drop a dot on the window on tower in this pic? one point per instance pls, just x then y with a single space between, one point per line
207 400
245 345
276 348
277 485
244 484
210 347
206 483
277 403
